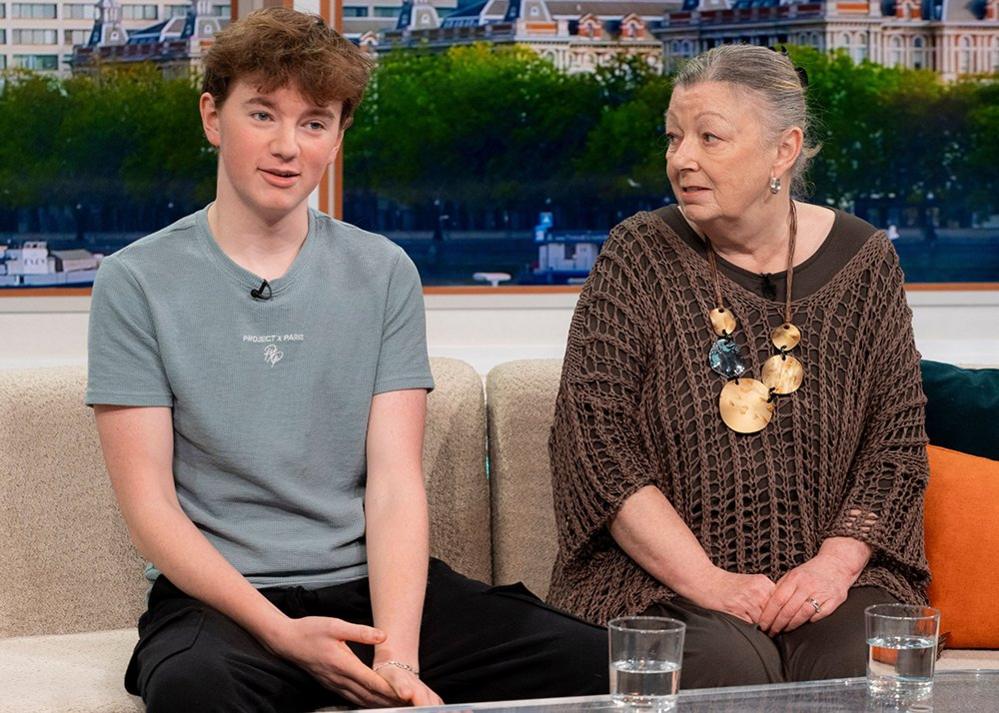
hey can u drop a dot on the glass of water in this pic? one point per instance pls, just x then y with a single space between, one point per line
901 650
645 657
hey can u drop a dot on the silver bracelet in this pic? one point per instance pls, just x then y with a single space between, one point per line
398 664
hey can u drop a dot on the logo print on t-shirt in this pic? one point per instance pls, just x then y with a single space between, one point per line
272 355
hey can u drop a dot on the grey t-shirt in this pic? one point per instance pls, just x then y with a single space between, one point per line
270 398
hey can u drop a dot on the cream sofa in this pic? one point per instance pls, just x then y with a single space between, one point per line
71 586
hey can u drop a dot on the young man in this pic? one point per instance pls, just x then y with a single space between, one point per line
259 376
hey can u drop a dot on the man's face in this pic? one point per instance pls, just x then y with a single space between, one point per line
273 148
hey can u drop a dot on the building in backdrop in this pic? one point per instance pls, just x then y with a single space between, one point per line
359 17
42 35
951 37
175 45
575 36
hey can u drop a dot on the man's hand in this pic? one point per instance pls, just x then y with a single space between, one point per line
316 644
741 595
408 687
824 580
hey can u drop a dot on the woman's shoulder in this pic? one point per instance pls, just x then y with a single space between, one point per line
852 236
843 241
862 253
848 228
656 231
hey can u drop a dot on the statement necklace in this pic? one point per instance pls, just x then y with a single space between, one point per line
747 405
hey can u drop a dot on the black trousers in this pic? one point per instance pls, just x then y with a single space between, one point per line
477 643
721 650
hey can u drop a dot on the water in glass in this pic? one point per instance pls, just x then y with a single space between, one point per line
901 666
645 683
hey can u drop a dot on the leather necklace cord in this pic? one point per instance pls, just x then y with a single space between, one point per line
791 244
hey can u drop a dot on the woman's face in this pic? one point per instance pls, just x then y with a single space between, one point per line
719 159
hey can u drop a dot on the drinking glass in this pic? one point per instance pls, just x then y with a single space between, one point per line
901 650
646 653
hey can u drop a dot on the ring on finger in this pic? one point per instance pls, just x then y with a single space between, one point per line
815 605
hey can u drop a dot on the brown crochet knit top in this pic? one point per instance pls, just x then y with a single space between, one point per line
638 405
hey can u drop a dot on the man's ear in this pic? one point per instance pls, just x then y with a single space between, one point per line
210 119
338 145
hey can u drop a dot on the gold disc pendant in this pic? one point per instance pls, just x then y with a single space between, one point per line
722 321
783 373
786 336
745 405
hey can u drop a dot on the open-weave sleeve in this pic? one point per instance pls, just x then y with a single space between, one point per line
597 454
888 477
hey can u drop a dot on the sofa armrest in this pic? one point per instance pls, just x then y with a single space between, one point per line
454 462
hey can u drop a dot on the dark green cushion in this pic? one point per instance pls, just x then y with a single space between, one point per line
962 408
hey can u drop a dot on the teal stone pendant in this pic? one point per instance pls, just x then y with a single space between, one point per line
725 358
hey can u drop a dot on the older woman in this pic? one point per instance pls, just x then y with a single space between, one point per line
738 439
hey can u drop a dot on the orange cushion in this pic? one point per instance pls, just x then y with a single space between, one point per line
962 546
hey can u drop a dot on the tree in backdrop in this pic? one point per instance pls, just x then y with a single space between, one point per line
479 125
892 135
498 127
118 136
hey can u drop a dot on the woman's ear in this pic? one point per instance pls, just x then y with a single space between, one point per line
788 150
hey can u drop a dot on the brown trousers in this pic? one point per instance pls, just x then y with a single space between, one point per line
721 650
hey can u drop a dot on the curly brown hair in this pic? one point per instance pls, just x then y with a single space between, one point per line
277 47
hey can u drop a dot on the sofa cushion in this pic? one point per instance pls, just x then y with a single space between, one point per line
68 673
68 565
962 408
520 398
962 539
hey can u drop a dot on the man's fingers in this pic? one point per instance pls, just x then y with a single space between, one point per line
352 669
424 697
348 689
371 698
359 633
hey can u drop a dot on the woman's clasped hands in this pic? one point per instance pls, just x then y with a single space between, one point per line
809 592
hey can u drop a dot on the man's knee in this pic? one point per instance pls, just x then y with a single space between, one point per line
578 652
192 680
212 664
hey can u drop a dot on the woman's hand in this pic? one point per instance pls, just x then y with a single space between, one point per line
742 595
407 686
316 643
815 589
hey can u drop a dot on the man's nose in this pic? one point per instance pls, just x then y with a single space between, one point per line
285 142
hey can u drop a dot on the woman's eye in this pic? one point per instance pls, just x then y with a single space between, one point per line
316 125
710 138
